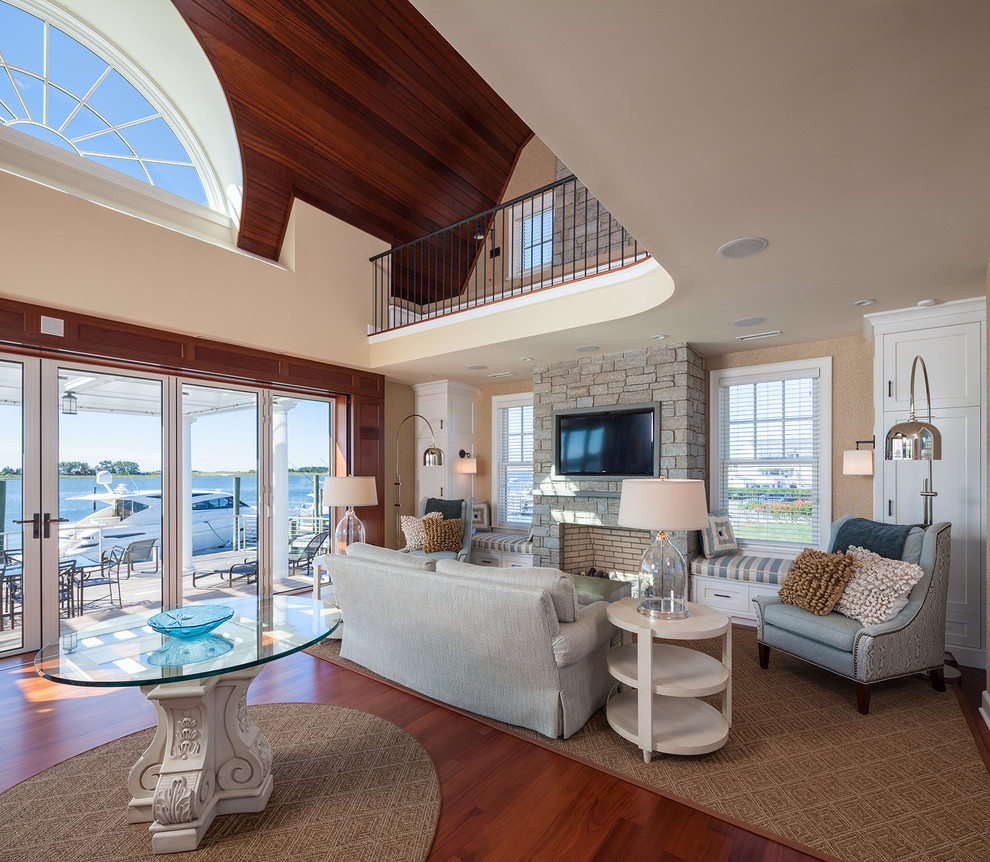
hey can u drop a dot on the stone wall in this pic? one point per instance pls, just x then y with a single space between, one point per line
672 374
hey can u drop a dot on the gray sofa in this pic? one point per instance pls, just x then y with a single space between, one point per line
512 644
911 642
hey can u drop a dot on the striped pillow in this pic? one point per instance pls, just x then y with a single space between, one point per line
717 539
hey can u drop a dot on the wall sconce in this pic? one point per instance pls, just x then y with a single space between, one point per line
859 462
469 464
70 404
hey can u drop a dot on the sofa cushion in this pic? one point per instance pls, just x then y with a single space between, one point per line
878 587
443 535
447 508
833 629
389 557
739 567
717 539
887 540
412 529
816 580
559 585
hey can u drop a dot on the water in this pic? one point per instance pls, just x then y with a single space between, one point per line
300 493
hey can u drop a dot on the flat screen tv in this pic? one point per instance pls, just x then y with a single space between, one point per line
612 441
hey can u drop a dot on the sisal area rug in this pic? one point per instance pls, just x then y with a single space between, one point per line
348 786
902 784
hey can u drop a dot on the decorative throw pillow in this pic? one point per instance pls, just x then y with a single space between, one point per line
717 539
448 509
816 580
412 529
878 587
442 535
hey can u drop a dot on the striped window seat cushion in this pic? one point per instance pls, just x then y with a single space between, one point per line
737 567
511 543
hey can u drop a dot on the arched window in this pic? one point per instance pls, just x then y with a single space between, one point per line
60 91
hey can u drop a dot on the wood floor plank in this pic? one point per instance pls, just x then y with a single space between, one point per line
504 797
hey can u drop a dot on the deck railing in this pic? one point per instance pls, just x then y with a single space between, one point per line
554 235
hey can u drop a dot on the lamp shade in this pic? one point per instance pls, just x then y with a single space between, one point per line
349 491
469 465
668 504
857 462
913 441
433 457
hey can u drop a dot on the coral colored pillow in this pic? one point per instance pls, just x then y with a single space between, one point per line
445 535
878 587
816 580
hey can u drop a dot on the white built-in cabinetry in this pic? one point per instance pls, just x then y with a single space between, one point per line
449 407
951 340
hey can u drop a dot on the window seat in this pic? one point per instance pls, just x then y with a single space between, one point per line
501 549
731 582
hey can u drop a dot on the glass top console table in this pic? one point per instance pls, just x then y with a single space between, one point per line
208 757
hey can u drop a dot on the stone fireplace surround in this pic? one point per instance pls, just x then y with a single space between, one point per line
575 521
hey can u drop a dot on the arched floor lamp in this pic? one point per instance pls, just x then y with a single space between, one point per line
432 457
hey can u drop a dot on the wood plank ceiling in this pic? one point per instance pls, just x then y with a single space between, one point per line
361 109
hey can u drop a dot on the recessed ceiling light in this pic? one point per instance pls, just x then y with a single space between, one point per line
927 303
659 337
756 335
860 303
477 367
526 359
503 374
431 375
748 321
743 247
587 348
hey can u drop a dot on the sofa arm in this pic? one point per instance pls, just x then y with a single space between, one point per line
590 631
762 603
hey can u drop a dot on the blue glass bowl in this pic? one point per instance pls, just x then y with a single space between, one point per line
175 653
191 621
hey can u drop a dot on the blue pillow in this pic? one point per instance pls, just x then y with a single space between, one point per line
447 508
717 539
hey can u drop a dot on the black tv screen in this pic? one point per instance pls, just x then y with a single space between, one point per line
614 442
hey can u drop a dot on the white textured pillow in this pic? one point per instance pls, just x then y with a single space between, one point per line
412 529
878 587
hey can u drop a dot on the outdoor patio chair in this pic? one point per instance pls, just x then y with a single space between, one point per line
10 587
141 551
67 573
106 575
304 559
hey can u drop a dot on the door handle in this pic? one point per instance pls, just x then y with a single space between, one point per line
49 520
35 519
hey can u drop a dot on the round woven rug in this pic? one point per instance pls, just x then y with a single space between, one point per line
348 786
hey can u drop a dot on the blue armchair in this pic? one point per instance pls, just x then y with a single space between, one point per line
911 642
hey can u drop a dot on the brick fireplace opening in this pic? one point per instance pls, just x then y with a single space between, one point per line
614 550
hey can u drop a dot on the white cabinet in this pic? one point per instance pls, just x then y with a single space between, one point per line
449 407
951 341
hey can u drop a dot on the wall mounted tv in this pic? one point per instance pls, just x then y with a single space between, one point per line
608 441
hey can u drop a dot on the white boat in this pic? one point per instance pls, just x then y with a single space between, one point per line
130 516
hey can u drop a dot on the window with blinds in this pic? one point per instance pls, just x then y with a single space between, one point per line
513 474
772 468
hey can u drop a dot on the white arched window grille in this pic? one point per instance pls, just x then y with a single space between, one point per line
90 100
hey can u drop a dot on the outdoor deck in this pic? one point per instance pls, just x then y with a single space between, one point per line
143 591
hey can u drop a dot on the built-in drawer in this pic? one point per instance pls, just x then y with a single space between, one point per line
513 560
730 596
485 558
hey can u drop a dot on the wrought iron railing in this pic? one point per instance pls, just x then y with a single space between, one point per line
554 235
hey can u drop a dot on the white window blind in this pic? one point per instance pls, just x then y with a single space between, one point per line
770 457
514 470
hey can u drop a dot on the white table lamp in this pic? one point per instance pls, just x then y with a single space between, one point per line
349 491
673 504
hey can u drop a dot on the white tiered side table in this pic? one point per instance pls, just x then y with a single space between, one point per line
658 710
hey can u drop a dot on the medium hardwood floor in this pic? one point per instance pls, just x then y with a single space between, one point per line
504 798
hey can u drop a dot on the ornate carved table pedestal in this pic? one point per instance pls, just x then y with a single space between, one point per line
207 757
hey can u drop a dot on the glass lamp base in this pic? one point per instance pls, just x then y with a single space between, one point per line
663 609
349 530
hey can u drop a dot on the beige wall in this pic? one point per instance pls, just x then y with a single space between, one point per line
852 406
77 255
400 401
483 432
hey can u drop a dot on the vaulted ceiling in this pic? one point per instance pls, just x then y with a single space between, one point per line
359 108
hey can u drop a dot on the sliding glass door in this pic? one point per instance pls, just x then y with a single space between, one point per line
123 491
